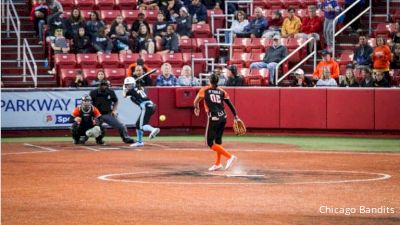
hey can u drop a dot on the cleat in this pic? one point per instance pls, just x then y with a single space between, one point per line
100 142
216 167
137 144
76 142
154 133
230 162
128 140
83 139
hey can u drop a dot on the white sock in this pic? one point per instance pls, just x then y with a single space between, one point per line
148 128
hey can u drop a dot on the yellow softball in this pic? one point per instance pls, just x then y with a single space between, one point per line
163 118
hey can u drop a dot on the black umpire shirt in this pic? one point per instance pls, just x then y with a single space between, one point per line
103 100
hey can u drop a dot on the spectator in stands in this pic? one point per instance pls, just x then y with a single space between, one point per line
102 43
380 80
234 78
258 25
330 9
170 42
212 4
301 80
147 4
118 21
139 62
311 26
100 77
139 21
326 80
54 6
94 25
274 54
198 12
186 78
353 12
238 25
350 80
173 8
381 58
166 78
222 77
160 26
327 61
396 57
79 80
144 41
184 23
59 45
145 81
82 42
395 36
291 25
121 40
39 15
57 21
367 81
275 25
74 22
362 54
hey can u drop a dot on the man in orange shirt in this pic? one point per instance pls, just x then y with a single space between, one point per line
131 68
327 61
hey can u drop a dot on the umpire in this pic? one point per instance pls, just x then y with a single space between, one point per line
106 101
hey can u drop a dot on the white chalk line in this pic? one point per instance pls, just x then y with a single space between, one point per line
381 176
89 148
46 150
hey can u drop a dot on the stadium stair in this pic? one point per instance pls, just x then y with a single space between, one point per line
10 72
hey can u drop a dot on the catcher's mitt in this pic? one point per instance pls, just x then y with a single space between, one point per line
239 127
94 132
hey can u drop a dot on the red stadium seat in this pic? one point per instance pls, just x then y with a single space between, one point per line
306 3
253 80
218 21
67 76
175 59
372 42
259 45
150 15
292 3
65 60
256 57
86 13
277 4
384 29
345 58
125 4
109 60
244 72
129 15
187 45
127 59
109 15
152 60
260 3
115 75
85 4
212 50
240 58
201 30
87 60
241 44
199 66
105 4
90 74
67 5
263 73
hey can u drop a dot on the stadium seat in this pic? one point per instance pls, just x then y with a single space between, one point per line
259 45
176 71
67 76
67 5
115 75
201 30
253 80
187 45
212 50
256 57
90 74
306 3
129 15
276 4
292 3
345 58
199 66
260 3
65 60
127 59
175 59
125 4
87 60
240 44
86 13
396 15
372 42
85 4
218 21
109 60
244 72
263 73
152 60
240 59
150 15
105 4
109 15
384 29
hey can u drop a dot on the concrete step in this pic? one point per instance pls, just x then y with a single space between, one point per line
13 41
24 27
19 70
13 55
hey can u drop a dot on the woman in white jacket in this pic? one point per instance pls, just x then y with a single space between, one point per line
237 26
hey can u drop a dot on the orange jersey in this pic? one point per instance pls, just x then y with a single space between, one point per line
213 98
333 67
131 69
381 57
87 116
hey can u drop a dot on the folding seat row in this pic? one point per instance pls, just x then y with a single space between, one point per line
99 4
384 29
116 76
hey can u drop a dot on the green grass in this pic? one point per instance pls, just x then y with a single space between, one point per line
304 143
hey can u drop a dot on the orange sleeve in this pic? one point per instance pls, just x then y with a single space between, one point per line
201 92
388 54
316 71
335 70
96 112
76 112
129 69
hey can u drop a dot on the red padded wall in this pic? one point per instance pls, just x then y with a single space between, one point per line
232 96
350 109
303 108
387 109
258 107
176 117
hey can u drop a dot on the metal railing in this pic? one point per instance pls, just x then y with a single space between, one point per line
209 62
238 2
3 14
207 44
313 53
221 33
349 23
228 19
28 59
387 10
12 16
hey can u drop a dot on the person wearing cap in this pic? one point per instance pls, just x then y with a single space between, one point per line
291 25
198 12
234 78
327 61
106 101
184 23
350 79
131 67
59 45
362 54
326 79
258 25
55 22
274 54
301 80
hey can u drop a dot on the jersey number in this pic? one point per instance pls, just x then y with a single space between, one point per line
215 98
141 93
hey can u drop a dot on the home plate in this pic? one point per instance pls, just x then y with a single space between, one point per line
109 148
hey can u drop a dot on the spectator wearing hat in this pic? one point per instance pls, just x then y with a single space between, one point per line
139 62
349 80
79 80
136 24
166 78
311 26
234 78
186 78
381 58
301 80
184 23
368 80
101 76
258 25
274 54
362 54
160 26
170 42
237 27
291 25
138 72
380 80
198 12
106 101
223 79
275 25
328 62
326 79
57 21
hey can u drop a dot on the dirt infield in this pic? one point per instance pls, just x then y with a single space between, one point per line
168 183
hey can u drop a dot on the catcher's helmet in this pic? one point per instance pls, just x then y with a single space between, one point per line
86 100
